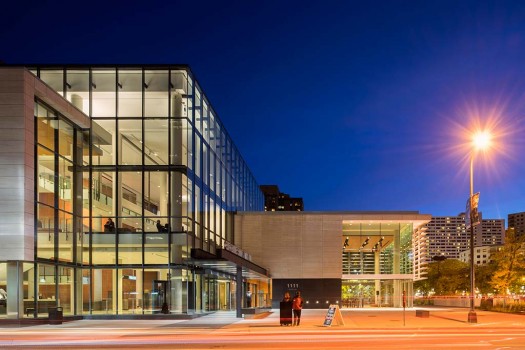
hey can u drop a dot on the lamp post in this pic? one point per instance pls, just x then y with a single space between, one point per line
472 317
480 141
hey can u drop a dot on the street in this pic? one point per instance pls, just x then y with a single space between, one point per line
363 329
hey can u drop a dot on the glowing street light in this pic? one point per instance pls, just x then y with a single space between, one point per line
480 141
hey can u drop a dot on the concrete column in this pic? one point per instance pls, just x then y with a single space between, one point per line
140 288
117 290
77 299
377 282
176 291
97 285
31 284
238 291
397 298
15 289
116 191
163 192
176 202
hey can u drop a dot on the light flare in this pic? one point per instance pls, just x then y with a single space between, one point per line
482 140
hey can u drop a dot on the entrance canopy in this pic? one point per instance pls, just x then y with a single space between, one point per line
227 262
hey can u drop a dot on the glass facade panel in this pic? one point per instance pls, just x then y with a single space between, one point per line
46 289
46 124
54 78
103 248
156 194
130 86
45 232
156 98
156 249
130 296
77 89
131 142
156 290
103 147
156 141
46 176
104 97
65 236
129 247
65 184
66 290
102 291
102 197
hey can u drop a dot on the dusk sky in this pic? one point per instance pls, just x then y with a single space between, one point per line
352 105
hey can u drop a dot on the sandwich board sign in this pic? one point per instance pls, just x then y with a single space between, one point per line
333 314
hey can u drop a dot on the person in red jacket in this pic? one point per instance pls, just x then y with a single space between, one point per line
297 306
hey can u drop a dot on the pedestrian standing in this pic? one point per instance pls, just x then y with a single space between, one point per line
297 306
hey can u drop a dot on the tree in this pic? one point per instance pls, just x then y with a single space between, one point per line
445 277
483 279
510 264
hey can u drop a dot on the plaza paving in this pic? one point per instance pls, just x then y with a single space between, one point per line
365 318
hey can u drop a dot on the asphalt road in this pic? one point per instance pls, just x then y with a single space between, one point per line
363 329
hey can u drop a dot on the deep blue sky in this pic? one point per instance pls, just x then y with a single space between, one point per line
350 105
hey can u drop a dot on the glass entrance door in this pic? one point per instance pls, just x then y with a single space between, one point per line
160 297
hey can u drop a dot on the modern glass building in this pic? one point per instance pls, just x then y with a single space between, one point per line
125 185
123 195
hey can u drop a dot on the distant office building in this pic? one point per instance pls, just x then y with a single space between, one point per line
517 222
481 254
274 200
448 235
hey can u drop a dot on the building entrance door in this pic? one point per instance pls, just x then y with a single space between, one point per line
160 297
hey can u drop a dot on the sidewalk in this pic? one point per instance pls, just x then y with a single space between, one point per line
312 321
392 318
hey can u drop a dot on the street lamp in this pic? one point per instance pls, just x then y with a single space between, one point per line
480 141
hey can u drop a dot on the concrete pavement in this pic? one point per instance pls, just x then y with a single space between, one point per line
354 319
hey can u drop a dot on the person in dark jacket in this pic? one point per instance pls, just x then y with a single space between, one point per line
285 312
109 226
297 306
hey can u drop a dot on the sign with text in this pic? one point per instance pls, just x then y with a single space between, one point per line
333 314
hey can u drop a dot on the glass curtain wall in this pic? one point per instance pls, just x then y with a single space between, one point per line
59 226
161 177
375 250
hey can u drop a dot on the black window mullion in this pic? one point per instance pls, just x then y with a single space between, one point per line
56 189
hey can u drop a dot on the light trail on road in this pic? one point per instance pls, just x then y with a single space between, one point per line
160 339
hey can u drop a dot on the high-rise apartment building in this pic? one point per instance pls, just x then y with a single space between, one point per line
517 222
448 235
275 200
491 232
